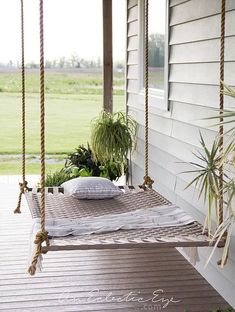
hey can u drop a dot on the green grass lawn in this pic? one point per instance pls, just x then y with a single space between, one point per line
15 168
60 82
68 121
69 114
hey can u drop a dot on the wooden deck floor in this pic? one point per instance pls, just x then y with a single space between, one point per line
95 280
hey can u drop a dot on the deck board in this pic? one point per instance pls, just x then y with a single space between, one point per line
70 277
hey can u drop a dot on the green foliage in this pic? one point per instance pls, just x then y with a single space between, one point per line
208 177
61 82
112 137
57 178
82 159
207 180
229 309
67 121
82 163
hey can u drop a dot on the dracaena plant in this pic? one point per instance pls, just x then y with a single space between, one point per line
207 179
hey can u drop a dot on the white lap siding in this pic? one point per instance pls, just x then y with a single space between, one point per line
194 45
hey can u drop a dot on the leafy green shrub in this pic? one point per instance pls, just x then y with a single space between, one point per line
57 178
82 163
82 159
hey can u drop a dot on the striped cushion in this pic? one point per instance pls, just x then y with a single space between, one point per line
91 188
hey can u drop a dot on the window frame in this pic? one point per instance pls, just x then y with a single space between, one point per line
157 98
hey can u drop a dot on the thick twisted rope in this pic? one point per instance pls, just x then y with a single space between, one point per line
147 180
42 236
221 127
23 184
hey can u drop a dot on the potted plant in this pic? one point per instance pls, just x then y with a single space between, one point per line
207 179
83 163
113 137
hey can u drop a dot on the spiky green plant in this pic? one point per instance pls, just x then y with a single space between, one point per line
113 136
226 227
57 178
207 179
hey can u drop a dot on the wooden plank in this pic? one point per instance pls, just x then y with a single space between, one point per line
195 115
69 278
132 98
177 2
132 85
17 267
132 28
132 3
207 73
177 148
107 56
202 51
132 72
202 29
198 94
197 9
132 14
189 133
132 43
157 123
132 57
134 284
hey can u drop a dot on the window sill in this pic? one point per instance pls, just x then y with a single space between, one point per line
157 102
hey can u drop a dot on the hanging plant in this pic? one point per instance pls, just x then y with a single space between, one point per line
113 136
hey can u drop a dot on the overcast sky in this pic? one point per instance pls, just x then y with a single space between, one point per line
71 27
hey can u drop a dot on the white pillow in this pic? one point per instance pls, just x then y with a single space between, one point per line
91 188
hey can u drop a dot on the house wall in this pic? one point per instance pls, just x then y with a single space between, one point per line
194 44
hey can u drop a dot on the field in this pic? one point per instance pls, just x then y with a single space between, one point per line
73 100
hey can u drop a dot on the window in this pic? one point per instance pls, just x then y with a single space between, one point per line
158 48
157 30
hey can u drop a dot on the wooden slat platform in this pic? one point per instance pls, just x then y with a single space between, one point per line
60 206
103 280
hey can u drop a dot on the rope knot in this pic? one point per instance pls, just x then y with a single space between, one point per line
41 236
148 181
23 186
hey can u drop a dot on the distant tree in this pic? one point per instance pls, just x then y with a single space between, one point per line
61 62
32 65
54 63
48 64
156 50
75 61
119 65
98 62
10 63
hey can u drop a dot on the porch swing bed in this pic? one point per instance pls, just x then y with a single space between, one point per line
61 206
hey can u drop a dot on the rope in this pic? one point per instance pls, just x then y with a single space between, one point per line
221 127
41 236
23 185
147 180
